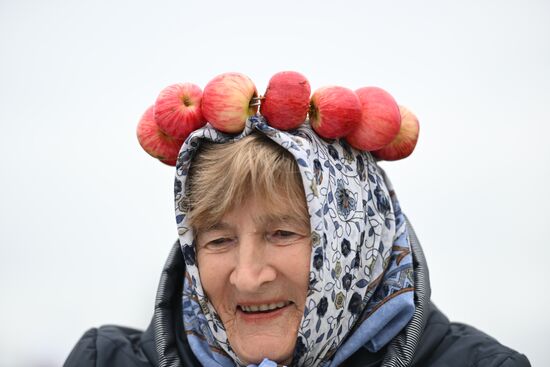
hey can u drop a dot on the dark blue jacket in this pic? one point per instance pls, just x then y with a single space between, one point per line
428 340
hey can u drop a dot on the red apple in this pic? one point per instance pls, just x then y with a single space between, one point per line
380 122
286 100
404 143
334 111
155 142
178 110
228 100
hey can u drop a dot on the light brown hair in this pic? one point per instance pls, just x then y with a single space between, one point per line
222 176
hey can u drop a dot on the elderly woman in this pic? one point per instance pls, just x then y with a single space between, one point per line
292 250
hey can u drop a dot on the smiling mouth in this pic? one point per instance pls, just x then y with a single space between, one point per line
263 308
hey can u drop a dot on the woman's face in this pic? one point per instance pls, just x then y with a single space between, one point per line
254 268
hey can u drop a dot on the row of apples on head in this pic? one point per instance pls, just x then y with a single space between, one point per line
368 118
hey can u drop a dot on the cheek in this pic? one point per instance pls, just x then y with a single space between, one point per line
214 274
305 266
295 264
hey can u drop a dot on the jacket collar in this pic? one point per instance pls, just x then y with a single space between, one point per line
401 350
170 341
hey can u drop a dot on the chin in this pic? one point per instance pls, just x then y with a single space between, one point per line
258 348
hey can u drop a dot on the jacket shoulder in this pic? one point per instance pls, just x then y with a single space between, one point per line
111 345
464 345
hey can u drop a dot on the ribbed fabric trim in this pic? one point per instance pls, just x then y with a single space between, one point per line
401 350
164 340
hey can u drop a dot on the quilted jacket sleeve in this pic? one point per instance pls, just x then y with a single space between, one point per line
110 346
84 353
507 359
463 345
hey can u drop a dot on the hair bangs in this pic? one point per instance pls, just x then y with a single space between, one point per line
224 176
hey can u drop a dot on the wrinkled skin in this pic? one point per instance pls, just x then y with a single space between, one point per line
253 257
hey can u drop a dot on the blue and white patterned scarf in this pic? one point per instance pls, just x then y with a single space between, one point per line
361 282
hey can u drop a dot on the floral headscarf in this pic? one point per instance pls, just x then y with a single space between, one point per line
361 266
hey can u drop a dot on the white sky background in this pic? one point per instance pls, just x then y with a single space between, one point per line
86 217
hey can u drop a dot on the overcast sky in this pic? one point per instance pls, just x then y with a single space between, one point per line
86 218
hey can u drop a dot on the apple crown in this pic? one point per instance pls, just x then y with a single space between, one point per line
369 118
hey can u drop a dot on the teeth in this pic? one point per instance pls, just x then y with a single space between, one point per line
264 307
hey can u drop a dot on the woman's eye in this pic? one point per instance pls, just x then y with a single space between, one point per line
281 235
217 244
219 241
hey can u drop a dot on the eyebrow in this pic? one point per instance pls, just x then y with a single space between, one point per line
219 226
276 219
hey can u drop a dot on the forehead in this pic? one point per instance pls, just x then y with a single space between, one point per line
263 212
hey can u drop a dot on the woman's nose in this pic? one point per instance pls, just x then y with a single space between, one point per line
252 269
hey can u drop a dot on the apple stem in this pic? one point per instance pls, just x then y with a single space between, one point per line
312 111
255 101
